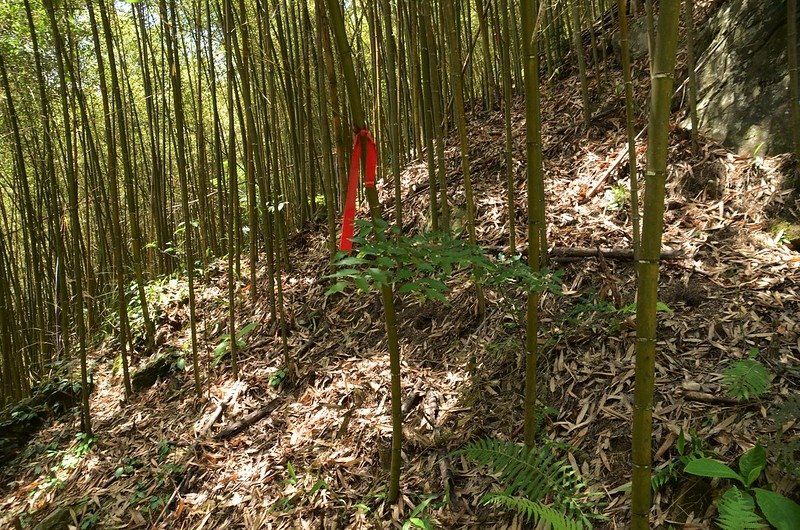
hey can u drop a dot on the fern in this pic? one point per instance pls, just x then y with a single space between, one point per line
737 511
664 476
535 474
746 378
785 447
534 511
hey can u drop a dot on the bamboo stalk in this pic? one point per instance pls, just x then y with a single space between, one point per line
648 261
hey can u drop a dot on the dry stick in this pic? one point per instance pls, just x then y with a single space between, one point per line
446 475
610 253
566 254
411 401
223 405
712 399
607 173
259 414
255 416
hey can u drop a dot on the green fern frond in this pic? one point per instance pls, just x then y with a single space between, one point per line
737 511
746 378
536 474
535 512
663 476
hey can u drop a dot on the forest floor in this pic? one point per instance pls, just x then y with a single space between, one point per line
319 459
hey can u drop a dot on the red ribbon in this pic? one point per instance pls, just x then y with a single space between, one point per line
352 184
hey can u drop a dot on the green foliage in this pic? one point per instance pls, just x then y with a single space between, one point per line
170 472
83 444
617 197
160 293
420 265
278 377
537 475
292 474
223 348
673 471
24 415
90 520
297 488
746 378
68 459
415 519
786 448
781 512
535 512
737 508
737 511
128 467
165 447
751 464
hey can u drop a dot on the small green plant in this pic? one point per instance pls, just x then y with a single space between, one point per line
165 447
82 446
292 474
89 520
784 446
531 478
24 415
296 488
223 348
746 378
416 519
128 467
617 197
170 472
420 265
673 471
736 507
156 502
278 377
778 231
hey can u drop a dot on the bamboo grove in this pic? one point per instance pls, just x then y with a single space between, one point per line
153 137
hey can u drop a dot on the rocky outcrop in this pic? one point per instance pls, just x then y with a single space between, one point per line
743 77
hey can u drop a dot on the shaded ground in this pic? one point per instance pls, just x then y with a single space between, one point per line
320 459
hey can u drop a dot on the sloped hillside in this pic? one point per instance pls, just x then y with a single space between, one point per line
318 455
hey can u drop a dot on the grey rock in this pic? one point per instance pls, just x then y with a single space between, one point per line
743 77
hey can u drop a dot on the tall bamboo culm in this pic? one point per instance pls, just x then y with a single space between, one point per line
648 260
387 293
537 244
626 73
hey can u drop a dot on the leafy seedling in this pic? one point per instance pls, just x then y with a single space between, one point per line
736 507
746 378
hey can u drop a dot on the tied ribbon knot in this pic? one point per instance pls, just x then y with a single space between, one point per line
352 184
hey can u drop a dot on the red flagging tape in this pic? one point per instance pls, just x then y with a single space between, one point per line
352 184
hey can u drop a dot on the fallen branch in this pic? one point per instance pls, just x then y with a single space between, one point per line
251 419
411 401
258 415
609 170
567 254
703 397
222 406
607 253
